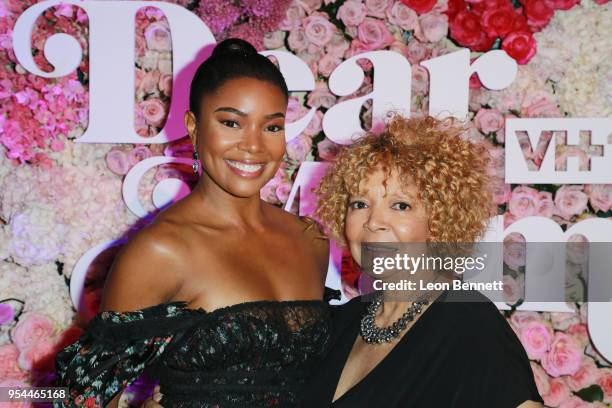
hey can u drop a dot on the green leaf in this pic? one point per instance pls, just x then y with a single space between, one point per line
591 394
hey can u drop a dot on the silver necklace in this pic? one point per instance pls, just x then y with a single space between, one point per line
372 334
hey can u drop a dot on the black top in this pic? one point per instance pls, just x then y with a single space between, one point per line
252 354
457 354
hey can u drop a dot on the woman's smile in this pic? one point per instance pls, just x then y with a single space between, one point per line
246 169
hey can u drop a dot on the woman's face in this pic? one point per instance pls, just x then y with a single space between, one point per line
240 134
379 214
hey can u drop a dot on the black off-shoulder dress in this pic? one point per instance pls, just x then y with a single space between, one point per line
252 354
461 352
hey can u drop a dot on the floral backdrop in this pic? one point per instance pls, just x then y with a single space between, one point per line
59 198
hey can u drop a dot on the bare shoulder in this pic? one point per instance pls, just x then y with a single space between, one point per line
318 239
147 270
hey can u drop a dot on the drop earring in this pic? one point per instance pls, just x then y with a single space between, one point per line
196 164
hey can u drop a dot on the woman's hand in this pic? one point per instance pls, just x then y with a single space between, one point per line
153 400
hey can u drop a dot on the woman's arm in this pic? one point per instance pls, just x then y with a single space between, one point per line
530 404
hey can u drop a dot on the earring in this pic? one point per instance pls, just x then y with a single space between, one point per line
196 164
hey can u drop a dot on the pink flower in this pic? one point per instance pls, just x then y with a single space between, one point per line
434 27
574 401
587 375
536 338
539 105
158 37
600 196
580 333
297 40
564 357
315 125
420 80
546 205
570 200
317 29
154 111
520 45
293 18
512 289
377 8
31 330
514 251
8 363
138 154
327 64
165 84
489 120
337 46
541 379
417 51
282 190
402 16
558 392
524 202
577 249
321 96
374 34
351 13
327 149
563 152
605 382
538 13
147 81
30 358
501 191
13 383
117 162
299 147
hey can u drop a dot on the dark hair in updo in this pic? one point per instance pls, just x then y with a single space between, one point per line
232 58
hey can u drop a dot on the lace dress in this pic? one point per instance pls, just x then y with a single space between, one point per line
252 354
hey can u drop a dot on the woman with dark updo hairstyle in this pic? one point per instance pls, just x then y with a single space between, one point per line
221 296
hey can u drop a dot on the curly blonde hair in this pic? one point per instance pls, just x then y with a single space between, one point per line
450 174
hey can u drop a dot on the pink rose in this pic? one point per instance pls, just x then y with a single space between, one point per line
577 249
321 96
570 200
167 171
314 127
317 29
351 13
399 47
587 375
8 363
403 16
580 333
600 196
337 46
274 40
489 120
563 152
512 289
514 251
31 330
158 37
293 18
605 382
377 8
541 379
299 147
138 154
328 63
546 205
574 401
524 202
327 149
519 319
165 84
33 357
420 80
374 34
501 191
417 51
147 81
558 392
433 27
539 105
562 320
536 337
117 161
282 190
564 357
310 5
297 40
154 111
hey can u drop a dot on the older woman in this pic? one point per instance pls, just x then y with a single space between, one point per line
418 182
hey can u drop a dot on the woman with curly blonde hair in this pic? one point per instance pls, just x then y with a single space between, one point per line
419 182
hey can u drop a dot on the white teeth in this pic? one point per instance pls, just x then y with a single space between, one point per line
251 168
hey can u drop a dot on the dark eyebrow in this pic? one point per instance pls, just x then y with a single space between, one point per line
231 110
275 115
